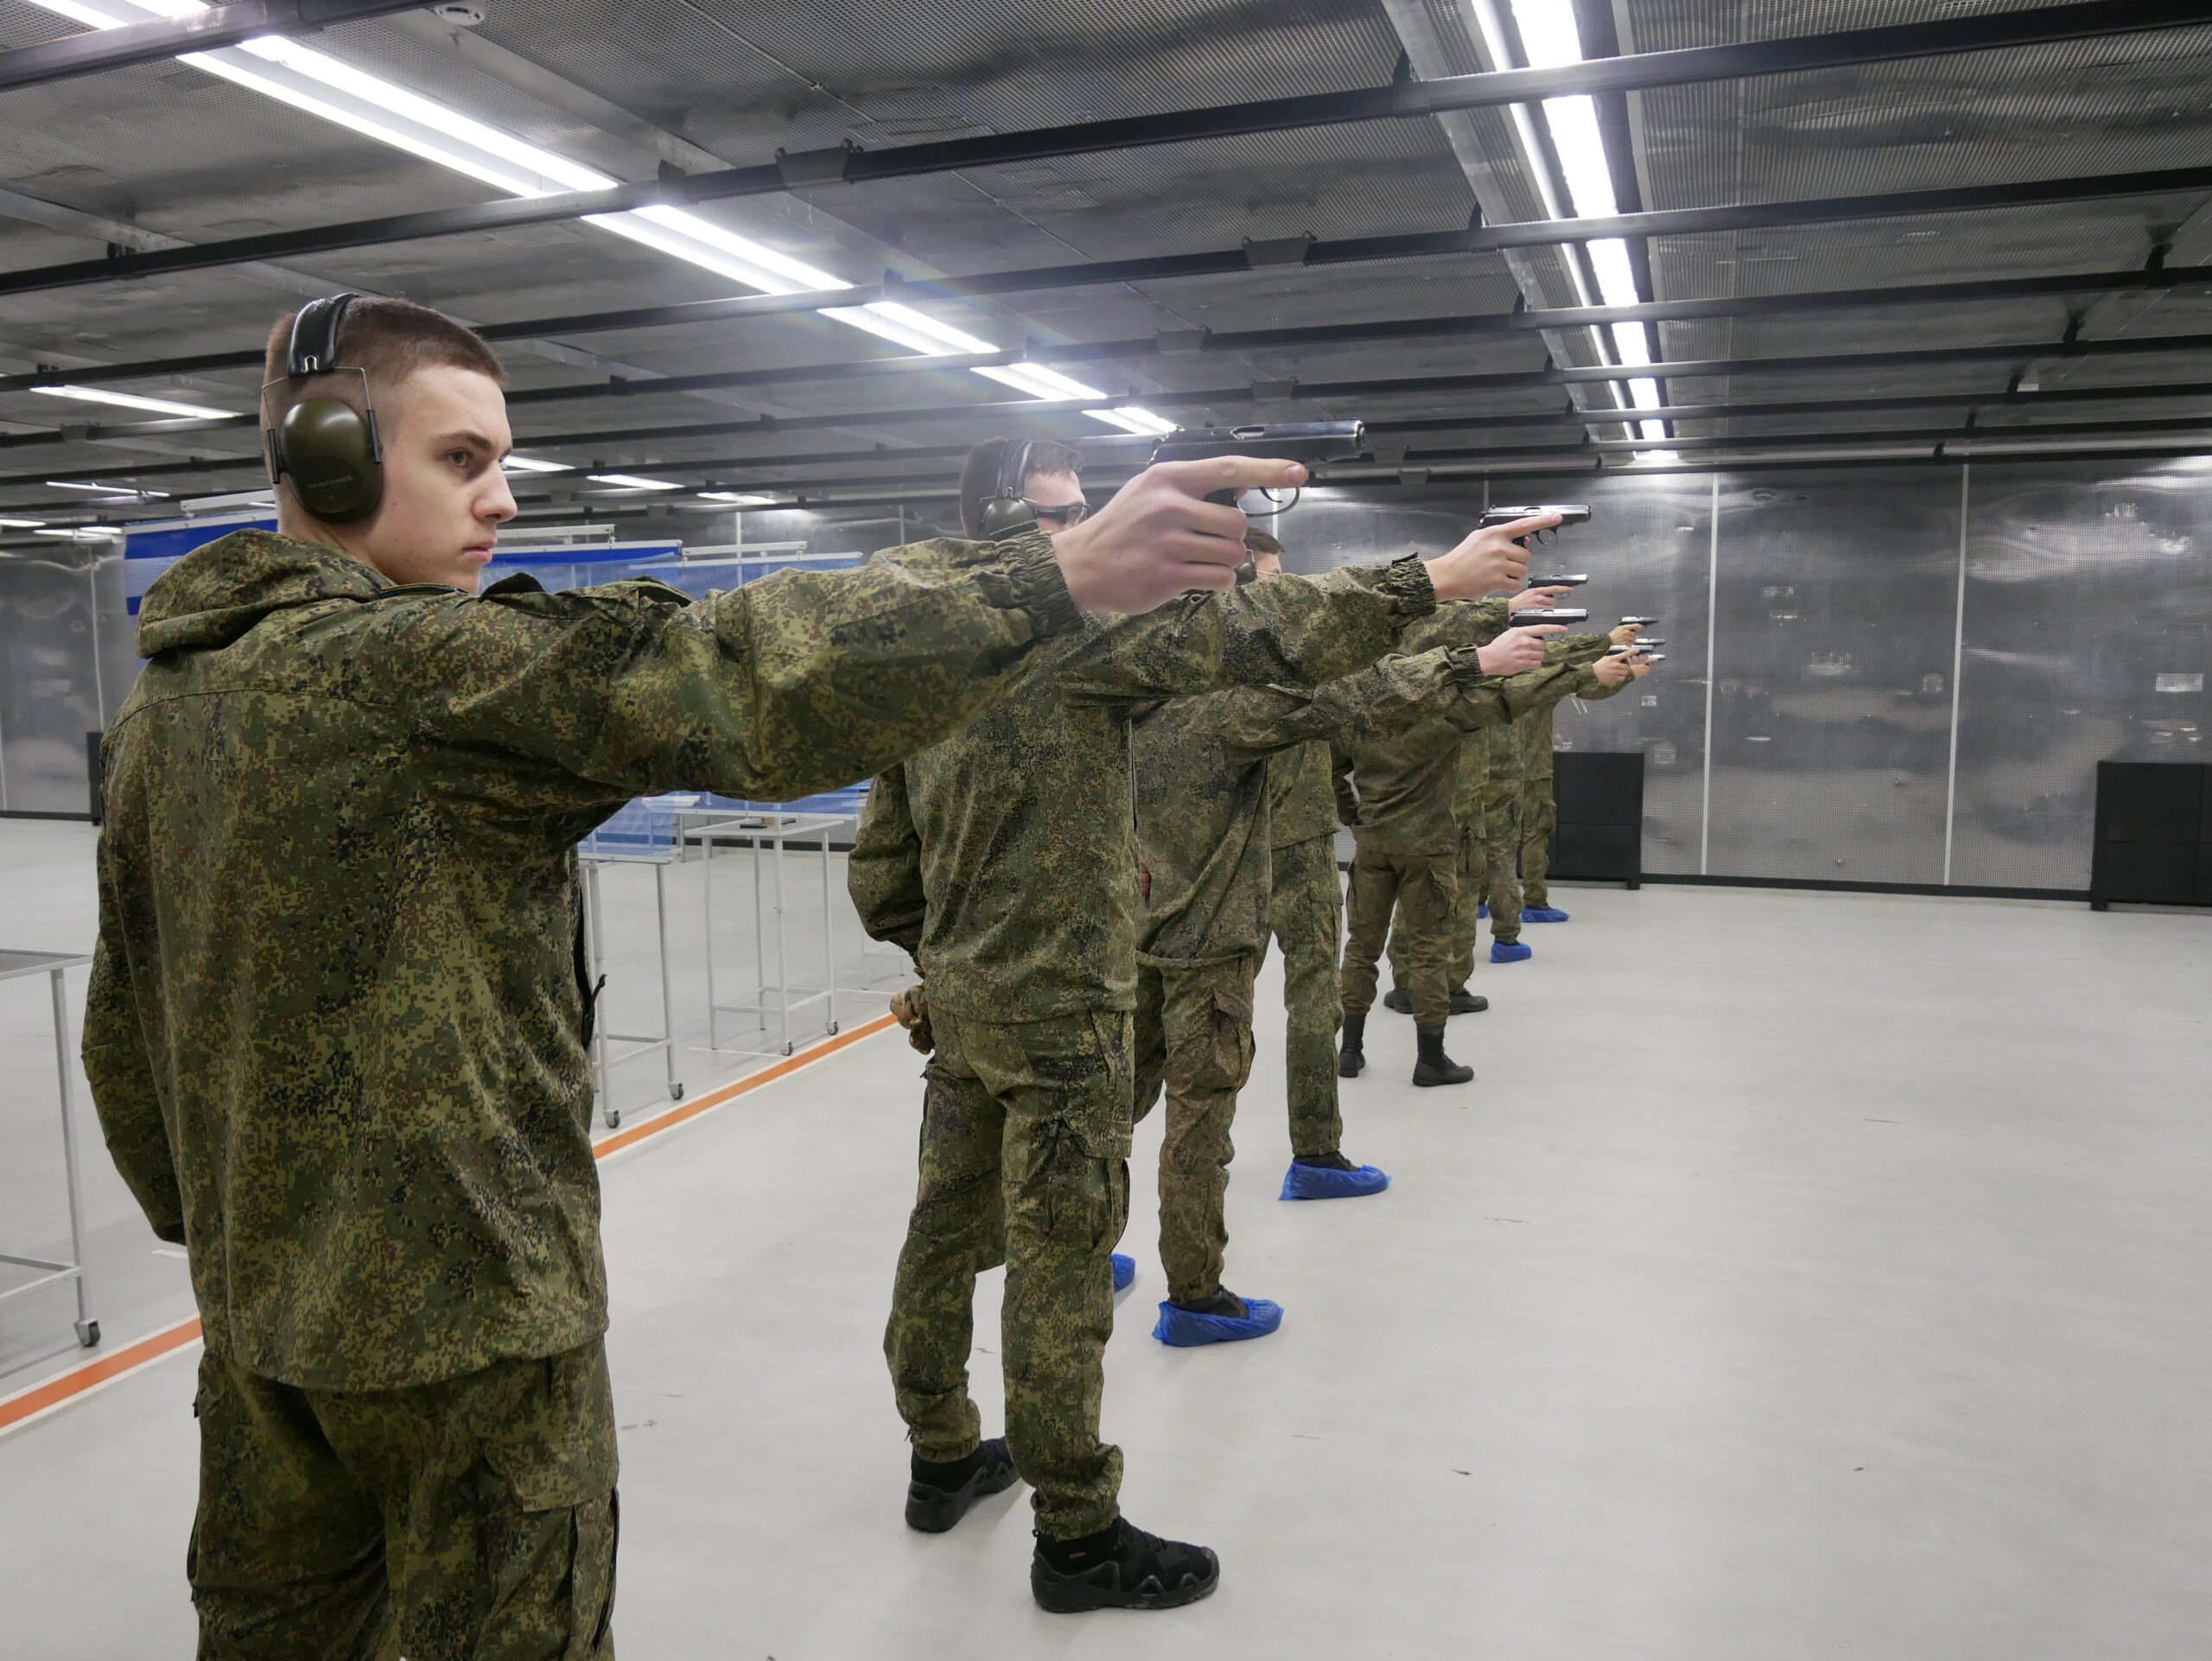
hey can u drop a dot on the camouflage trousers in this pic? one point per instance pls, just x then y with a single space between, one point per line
473 1520
1501 837
1467 867
1539 819
1194 1035
1025 1149
1306 913
1421 889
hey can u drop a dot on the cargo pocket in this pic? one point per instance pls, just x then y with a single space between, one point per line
1226 1062
547 1436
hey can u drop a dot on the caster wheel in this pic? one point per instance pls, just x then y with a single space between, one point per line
675 1093
787 1049
88 1333
833 1029
614 1120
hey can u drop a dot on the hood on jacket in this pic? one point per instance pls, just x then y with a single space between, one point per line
216 592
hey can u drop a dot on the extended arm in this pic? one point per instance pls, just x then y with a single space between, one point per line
122 1075
884 876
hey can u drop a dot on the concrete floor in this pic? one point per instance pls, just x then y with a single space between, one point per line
1803 1276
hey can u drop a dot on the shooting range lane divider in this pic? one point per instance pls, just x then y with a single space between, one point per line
34 1402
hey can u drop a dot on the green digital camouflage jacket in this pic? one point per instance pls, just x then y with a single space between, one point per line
1005 860
1536 747
1301 805
1400 792
1202 793
1503 757
337 1023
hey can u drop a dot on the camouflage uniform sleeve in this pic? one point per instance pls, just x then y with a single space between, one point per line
1461 622
1590 689
1388 699
1497 702
122 1077
1577 648
802 682
1288 631
884 876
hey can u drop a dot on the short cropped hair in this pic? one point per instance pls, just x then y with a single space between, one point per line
389 340
979 476
1257 541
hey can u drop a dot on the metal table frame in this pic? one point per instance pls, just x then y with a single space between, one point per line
13 965
775 828
596 954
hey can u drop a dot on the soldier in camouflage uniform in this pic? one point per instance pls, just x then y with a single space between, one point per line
1397 793
1202 799
337 1020
1539 807
1004 862
1510 764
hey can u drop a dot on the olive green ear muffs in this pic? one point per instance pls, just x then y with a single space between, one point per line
1006 512
326 450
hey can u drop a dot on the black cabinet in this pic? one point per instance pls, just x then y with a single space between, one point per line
1600 834
2154 834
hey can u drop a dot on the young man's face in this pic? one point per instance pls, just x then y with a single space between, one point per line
445 497
1046 491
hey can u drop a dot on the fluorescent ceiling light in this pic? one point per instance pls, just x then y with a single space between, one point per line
108 490
20 524
130 401
531 464
1131 419
630 481
735 498
383 110
88 533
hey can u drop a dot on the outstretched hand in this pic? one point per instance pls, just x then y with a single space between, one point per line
1517 650
1159 536
1491 558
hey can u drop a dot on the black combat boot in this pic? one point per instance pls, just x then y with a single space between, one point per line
1436 1067
938 1494
1351 1054
1120 1568
1464 1003
1397 1000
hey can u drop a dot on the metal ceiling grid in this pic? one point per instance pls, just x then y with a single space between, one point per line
1671 25
2022 112
175 149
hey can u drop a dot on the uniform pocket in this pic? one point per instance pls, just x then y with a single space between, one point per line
547 1430
1227 1062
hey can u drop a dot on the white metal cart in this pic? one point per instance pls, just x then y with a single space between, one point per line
755 831
53 964
643 833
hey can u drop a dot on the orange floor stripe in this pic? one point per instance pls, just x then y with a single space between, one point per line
28 1403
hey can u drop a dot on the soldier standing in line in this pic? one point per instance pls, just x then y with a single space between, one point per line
1504 789
338 1021
1202 802
1004 862
1539 806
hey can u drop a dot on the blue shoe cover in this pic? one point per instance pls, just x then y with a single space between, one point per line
1318 1182
1516 952
1186 1329
1125 1272
1482 911
1542 915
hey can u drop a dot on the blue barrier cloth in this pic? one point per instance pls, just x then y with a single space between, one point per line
1542 915
1319 1183
1516 952
1186 1329
1125 1272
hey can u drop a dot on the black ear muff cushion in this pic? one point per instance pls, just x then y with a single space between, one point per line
1005 516
329 452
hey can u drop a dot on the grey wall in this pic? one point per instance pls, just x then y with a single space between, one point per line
64 666
1883 674
1876 674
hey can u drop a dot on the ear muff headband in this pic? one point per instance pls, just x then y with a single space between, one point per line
327 451
1008 512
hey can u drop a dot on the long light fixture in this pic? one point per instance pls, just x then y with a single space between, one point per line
736 497
1550 40
21 524
120 492
531 464
630 481
132 401
86 533
391 114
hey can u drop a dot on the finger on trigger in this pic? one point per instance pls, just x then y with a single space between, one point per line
1529 526
1238 473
